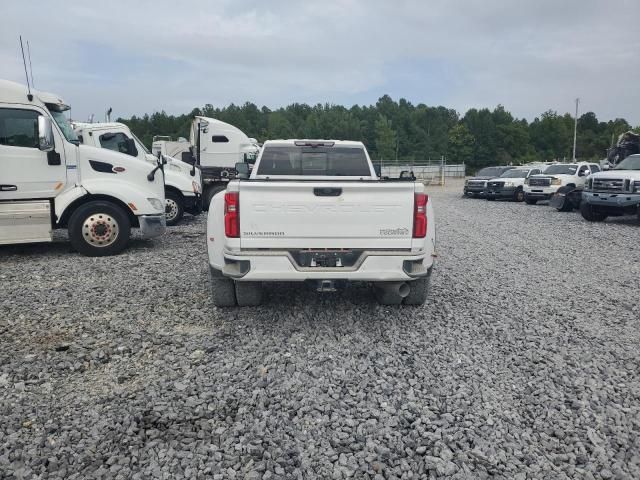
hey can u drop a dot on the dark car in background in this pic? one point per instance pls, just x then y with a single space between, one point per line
477 186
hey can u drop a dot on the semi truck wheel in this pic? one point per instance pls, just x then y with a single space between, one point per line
223 293
588 214
249 294
174 208
99 229
419 291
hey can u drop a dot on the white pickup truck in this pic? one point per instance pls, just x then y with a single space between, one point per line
315 210
615 192
544 186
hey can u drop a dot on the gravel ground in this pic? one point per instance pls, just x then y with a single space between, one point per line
523 365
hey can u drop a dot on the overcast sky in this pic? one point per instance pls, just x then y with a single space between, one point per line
139 57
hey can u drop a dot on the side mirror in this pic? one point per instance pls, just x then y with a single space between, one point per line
45 134
583 173
242 170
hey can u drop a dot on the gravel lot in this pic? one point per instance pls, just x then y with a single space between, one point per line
525 363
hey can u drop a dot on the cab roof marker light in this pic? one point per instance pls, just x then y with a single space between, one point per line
304 143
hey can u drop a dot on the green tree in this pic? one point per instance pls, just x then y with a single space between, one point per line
385 139
461 145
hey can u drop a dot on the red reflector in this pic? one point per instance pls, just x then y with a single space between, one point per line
420 215
232 214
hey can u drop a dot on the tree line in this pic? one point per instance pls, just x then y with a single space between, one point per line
398 130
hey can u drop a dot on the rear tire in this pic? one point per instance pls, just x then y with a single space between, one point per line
222 289
209 194
99 229
249 294
589 215
174 208
530 201
419 291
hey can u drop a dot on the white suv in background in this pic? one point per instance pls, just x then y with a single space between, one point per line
543 186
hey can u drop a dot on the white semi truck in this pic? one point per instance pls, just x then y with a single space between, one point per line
215 147
315 210
182 182
48 180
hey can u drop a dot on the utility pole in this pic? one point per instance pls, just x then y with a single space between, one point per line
575 130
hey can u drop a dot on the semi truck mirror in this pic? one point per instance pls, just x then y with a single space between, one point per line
45 134
242 170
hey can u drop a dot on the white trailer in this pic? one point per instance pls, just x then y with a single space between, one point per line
49 181
182 183
214 146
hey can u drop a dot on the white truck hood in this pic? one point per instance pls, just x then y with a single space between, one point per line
615 174
513 180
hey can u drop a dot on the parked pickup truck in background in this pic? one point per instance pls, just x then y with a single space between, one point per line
315 210
613 193
542 187
510 183
477 186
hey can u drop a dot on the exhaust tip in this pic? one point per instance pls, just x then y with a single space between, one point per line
404 289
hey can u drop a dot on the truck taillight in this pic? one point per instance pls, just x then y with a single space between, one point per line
420 215
232 214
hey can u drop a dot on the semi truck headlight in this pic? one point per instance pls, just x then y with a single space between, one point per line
556 181
156 203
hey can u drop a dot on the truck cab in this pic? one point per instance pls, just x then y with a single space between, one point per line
215 147
544 186
510 184
615 192
48 180
183 182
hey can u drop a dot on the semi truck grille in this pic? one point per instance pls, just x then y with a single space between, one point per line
608 184
539 182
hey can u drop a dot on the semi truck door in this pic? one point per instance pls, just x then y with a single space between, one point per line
26 172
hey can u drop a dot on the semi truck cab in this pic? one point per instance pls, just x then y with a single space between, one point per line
48 180
183 182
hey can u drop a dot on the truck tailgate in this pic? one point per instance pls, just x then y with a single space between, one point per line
326 214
